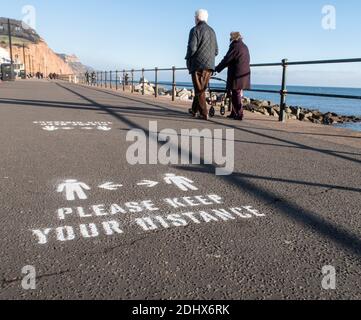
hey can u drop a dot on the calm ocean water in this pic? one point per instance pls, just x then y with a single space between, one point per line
345 107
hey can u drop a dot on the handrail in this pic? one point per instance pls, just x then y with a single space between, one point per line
101 79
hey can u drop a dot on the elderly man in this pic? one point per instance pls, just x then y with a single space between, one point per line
239 72
201 56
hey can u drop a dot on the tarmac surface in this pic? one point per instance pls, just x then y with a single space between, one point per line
96 227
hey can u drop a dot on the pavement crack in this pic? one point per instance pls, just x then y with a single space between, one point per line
322 192
128 244
131 243
5 283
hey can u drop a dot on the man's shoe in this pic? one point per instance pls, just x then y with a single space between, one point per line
239 117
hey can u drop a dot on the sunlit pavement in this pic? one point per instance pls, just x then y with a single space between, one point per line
93 226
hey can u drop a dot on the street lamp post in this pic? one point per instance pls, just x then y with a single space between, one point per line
24 59
10 44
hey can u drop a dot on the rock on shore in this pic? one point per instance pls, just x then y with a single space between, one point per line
297 113
263 107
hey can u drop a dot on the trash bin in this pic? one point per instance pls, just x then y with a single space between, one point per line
7 72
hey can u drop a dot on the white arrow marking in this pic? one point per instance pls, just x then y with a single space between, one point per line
110 186
50 128
148 183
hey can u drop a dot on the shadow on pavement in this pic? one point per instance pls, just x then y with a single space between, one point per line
310 220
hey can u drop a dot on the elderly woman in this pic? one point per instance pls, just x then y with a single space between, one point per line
239 73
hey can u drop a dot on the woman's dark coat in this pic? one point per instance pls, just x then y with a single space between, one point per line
238 62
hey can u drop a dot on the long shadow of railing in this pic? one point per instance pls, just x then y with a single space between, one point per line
337 234
263 135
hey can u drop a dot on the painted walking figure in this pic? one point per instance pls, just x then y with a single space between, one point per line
182 183
73 189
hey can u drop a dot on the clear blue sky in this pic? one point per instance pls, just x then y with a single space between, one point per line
109 34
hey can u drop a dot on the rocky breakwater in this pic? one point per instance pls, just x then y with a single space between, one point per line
262 107
297 113
149 89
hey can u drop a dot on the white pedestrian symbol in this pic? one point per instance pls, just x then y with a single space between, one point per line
182 183
73 188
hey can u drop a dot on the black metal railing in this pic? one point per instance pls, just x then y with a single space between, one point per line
102 79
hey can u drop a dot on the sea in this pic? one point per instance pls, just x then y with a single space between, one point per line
347 107
340 106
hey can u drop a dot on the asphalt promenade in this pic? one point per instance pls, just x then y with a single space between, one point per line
96 227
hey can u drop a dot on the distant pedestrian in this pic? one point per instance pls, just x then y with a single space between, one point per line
201 56
87 77
239 73
93 78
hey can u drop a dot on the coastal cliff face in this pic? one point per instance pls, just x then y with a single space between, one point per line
38 56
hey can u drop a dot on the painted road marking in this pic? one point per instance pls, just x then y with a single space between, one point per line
115 219
110 186
144 216
73 188
182 183
104 128
148 183
52 126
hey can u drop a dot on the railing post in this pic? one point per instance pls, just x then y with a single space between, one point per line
156 83
123 80
106 79
116 80
283 92
143 79
110 79
132 81
173 84
101 79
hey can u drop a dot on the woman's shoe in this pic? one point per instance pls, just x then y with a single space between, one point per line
231 116
239 117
